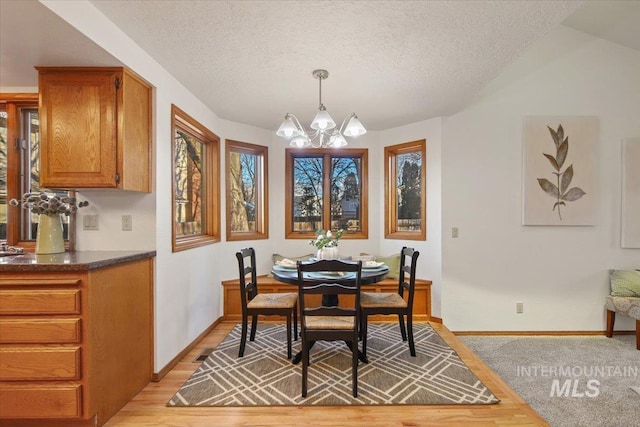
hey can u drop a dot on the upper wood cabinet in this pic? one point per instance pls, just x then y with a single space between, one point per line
95 128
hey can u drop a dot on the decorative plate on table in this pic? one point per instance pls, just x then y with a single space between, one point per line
288 263
376 270
373 265
278 267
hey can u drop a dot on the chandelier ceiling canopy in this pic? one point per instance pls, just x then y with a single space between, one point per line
324 132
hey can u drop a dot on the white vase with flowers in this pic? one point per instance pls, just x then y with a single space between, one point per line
327 244
49 238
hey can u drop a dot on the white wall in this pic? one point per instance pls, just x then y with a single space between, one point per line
559 273
187 284
430 260
473 182
187 291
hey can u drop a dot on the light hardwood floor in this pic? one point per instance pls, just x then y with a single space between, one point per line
148 408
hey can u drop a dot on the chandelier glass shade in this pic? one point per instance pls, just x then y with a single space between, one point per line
324 133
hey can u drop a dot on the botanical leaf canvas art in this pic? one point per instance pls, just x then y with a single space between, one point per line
559 156
631 193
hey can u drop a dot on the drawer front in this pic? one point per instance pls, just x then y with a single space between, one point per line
60 281
42 331
39 363
40 402
40 302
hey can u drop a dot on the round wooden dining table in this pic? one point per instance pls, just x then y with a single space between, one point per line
368 276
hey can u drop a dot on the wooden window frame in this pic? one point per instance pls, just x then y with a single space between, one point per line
13 102
262 190
290 154
211 179
391 154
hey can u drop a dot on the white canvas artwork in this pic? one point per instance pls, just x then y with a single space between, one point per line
559 170
631 193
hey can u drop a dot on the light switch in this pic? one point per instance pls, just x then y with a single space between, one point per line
90 222
454 232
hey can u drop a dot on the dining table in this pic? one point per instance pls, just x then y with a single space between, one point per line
286 272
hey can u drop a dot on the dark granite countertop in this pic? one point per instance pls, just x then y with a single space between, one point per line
70 261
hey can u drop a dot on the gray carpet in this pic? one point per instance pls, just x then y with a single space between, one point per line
569 381
264 376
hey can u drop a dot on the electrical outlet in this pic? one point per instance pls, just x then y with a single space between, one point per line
127 223
454 232
519 308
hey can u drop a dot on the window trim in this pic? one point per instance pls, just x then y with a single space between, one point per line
327 154
391 191
262 196
13 102
211 179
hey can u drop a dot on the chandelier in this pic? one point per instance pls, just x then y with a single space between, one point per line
325 134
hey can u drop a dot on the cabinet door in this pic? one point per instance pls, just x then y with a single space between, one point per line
78 129
134 134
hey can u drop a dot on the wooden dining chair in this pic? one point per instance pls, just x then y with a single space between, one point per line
255 303
319 322
394 303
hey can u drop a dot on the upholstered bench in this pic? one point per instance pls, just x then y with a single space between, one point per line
623 299
231 296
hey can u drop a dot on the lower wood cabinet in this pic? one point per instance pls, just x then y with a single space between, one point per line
421 298
75 347
41 401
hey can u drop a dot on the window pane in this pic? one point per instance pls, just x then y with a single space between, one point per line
345 193
195 185
3 175
20 169
247 187
243 170
405 191
189 184
307 192
30 136
30 165
327 190
409 191
30 179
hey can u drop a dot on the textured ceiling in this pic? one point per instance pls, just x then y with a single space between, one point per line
392 63
30 35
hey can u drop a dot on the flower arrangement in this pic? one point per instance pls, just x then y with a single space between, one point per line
326 240
42 203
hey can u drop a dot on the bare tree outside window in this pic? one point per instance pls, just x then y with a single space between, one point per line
327 191
4 200
307 193
195 184
405 177
345 193
247 191
188 179
409 191
20 170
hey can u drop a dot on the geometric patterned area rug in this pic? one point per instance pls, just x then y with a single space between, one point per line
264 376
